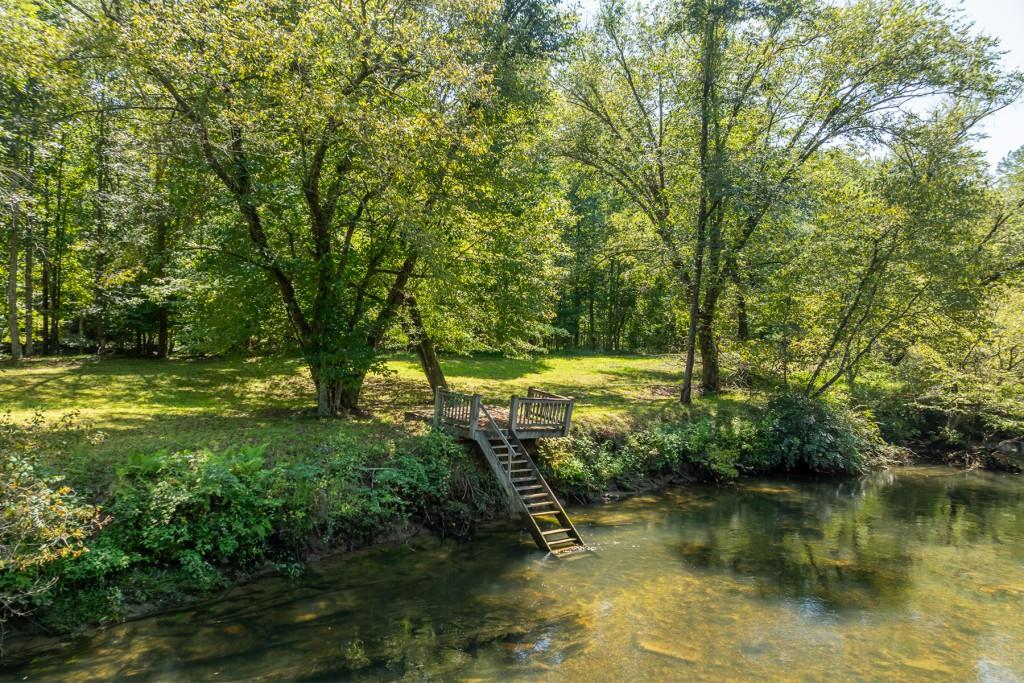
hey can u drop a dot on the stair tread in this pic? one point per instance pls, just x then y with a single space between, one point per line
551 526
568 550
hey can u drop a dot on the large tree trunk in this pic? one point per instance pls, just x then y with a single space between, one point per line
163 343
708 343
12 256
742 320
425 350
709 368
335 396
708 50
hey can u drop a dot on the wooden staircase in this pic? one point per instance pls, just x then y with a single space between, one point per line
539 415
545 518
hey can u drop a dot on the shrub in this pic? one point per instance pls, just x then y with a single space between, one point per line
798 433
196 510
794 433
568 463
43 521
582 466
186 521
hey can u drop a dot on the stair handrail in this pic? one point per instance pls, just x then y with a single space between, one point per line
508 446
547 487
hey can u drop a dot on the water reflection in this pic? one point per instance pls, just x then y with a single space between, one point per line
826 546
914 575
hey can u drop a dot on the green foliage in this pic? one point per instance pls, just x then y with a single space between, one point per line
583 466
180 522
802 434
792 434
43 522
197 510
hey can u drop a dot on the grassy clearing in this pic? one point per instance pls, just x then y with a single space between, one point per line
147 405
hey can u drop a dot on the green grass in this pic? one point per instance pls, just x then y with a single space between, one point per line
146 405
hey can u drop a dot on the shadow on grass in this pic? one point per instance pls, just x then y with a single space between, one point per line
492 367
648 375
218 385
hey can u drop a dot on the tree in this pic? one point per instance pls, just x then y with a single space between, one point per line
340 132
729 101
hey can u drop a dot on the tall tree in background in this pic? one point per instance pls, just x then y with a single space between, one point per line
776 83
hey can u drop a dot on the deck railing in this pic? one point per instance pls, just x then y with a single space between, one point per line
541 411
452 409
538 414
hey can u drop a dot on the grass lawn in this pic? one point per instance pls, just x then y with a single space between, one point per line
146 405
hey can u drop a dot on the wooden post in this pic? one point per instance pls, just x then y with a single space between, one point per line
568 417
474 415
513 414
438 407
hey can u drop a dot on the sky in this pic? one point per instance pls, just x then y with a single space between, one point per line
1003 19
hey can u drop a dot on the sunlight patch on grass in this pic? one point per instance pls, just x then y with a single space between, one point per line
147 404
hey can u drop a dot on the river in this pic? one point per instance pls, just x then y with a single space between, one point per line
915 574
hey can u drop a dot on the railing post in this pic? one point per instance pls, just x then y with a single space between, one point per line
438 407
513 414
474 415
568 417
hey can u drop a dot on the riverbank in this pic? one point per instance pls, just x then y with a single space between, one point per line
176 480
146 482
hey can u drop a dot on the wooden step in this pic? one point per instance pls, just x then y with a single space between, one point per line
528 487
545 513
536 495
541 504
521 480
556 531
562 541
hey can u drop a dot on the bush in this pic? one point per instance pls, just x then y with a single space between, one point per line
798 433
582 466
189 521
793 434
198 511
43 522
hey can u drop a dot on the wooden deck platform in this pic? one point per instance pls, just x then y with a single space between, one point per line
499 435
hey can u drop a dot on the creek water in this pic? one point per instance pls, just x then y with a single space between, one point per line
913 574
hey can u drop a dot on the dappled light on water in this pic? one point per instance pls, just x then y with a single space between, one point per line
914 575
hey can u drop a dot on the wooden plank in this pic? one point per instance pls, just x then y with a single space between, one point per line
474 415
